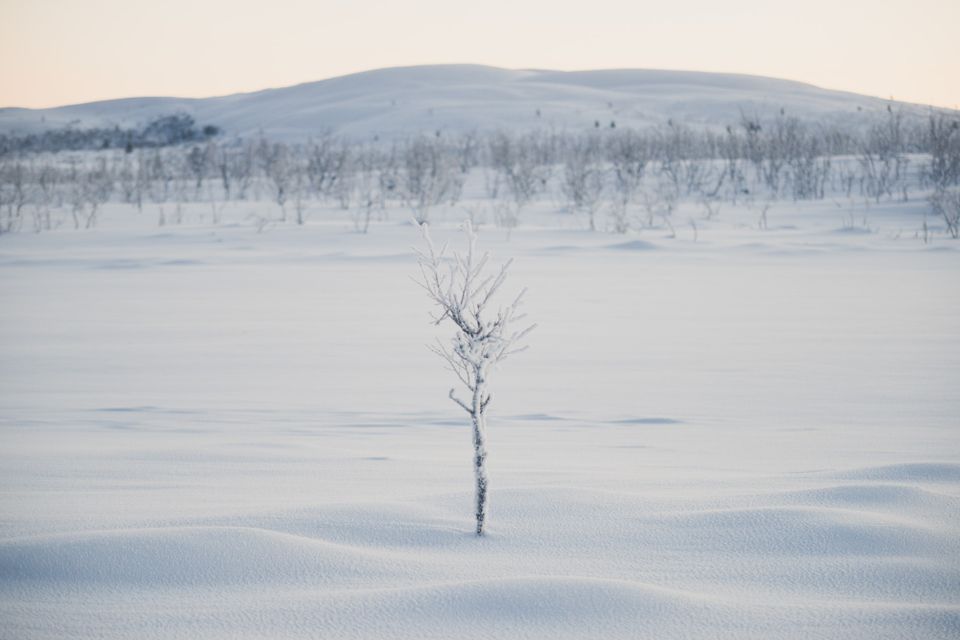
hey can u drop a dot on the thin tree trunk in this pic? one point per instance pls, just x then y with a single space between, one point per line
478 415
480 469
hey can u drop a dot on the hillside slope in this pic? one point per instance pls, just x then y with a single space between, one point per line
404 100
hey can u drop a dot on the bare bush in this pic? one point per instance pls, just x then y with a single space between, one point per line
518 163
946 204
583 177
942 140
430 176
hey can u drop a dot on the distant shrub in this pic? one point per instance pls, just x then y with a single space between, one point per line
162 132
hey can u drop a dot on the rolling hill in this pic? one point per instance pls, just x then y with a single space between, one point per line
399 101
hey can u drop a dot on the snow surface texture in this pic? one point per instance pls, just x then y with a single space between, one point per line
459 98
207 432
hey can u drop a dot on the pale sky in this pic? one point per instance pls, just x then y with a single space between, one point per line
55 52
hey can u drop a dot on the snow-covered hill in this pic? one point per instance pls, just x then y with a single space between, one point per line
405 100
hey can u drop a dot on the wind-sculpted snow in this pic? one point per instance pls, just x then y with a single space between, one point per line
187 556
604 562
216 433
917 472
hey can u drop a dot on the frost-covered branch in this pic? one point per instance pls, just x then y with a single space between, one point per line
463 292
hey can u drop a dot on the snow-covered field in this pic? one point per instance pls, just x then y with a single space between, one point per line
209 432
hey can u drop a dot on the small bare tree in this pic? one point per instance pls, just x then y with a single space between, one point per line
431 176
367 192
14 195
946 203
277 167
96 188
463 292
583 181
519 165
299 189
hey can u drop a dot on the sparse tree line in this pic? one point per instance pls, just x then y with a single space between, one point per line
614 179
161 132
